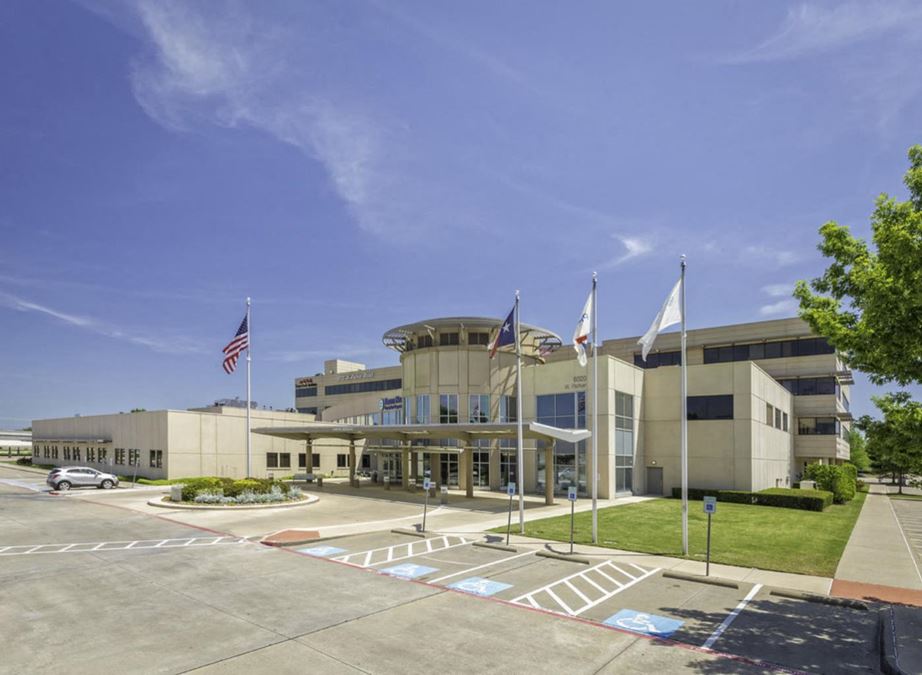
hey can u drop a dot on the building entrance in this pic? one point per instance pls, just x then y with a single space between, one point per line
654 480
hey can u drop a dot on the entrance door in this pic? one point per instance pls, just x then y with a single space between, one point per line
449 468
654 480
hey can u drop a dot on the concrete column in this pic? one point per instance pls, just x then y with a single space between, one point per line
352 462
414 459
549 472
309 456
467 457
495 478
405 468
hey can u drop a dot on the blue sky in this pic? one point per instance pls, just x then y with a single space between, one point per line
354 166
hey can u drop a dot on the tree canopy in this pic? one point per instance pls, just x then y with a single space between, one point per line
894 443
868 303
858 450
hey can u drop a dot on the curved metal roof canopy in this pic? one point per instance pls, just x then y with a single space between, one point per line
417 432
536 342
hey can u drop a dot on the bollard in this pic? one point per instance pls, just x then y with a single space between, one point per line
387 482
444 499
320 481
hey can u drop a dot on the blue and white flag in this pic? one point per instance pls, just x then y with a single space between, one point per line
506 334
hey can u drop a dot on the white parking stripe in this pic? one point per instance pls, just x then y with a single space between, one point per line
731 617
532 596
401 551
88 547
480 567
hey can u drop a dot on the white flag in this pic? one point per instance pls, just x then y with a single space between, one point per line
669 315
581 334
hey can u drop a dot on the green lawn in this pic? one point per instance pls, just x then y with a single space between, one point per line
905 496
770 538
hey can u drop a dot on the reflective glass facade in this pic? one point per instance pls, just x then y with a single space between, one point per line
566 411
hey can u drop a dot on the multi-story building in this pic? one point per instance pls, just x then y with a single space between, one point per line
764 399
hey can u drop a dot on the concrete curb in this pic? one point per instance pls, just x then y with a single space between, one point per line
821 599
310 499
713 581
410 533
496 547
564 556
889 653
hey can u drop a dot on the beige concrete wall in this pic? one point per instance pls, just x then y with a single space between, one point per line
743 453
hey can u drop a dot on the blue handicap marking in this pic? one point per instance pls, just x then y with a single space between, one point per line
322 551
409 570
480 586
641 622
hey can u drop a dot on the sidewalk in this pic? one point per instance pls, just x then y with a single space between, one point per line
877 561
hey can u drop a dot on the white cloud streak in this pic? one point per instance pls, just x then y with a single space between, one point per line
810 28
784 305
174 345
634 247
765 255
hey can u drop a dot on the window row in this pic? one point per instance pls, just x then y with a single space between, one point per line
812 386
120 456
282 460
818 426
362 387
448 339
301 392
657 359
768 350
775 417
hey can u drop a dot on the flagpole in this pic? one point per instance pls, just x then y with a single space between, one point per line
595 411
249 365
520 455
684 418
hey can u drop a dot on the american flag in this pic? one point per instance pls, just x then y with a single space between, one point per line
240 342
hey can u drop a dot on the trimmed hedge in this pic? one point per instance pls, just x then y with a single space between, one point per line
807 500
789 498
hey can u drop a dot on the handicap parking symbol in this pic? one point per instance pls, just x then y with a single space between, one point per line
641 622
322 551
409 570
480 586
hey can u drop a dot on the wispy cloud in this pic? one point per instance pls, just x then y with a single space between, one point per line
766 255
166 345
785 305
634 247
811 28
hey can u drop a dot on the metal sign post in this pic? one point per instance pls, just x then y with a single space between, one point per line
571 495
710 508
510 490
426 485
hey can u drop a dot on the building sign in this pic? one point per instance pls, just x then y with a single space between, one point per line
305 382
395 403
358 375
579 383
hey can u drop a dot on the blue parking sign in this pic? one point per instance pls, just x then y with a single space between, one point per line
641 622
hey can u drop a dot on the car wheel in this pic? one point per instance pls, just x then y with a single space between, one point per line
106 484
63 486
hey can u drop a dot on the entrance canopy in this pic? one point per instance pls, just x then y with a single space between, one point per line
408 433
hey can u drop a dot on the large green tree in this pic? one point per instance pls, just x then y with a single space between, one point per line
868 303
894 442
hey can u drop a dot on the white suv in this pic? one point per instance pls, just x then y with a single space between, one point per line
80 476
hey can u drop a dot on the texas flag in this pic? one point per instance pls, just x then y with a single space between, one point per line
581 334
506 334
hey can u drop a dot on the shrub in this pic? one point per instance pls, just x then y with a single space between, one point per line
862 486
695 494
25 461
736 497
790 498
193 486
835 479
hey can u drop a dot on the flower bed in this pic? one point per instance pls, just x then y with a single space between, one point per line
248 491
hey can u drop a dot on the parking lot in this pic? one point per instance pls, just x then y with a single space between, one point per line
91 585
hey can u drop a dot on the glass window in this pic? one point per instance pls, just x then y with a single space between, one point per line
448 409
710 407
422 409
772 350
777 418
342 461
284 460
424 341
508 409
448 339
769 415
818 426
315 460
90 454
784 422
305 391
478 338
547 406
741 352
272 460
479 408
657 359
757 352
